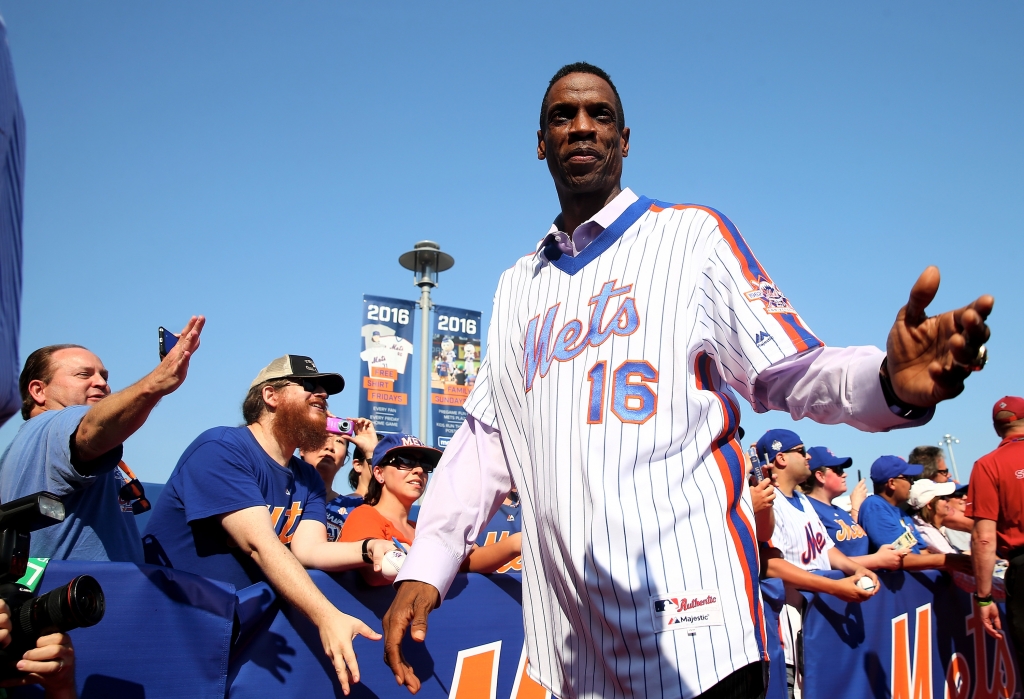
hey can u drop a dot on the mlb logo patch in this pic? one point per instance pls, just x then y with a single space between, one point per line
676 611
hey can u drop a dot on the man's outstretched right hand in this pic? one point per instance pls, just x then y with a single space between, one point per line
414 601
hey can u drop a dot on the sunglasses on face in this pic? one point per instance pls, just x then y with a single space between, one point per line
838 470
942 472
908 479
405 464
799 450
308 385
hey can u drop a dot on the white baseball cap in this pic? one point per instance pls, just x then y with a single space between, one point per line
925 490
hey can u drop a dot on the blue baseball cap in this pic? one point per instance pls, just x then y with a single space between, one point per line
822 457
407 445
776 441
886 467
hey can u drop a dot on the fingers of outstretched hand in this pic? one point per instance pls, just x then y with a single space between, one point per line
922 293
396 621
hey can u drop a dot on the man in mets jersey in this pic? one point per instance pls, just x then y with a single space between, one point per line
609 392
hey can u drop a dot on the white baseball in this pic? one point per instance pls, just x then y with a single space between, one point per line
866 583
391 564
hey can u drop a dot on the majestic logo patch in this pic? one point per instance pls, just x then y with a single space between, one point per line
769 294
762 338
686 610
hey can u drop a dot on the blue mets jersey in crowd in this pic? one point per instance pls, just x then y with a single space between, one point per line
338 510
848 536
225 470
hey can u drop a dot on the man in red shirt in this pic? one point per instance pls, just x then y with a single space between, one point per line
996 502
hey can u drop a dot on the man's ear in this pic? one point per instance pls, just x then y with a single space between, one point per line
37 392
271 397
625 141
542 150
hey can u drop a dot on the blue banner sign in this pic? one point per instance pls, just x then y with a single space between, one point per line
920 637
385 370
455 359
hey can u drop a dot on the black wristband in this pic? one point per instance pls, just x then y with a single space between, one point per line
366 552
898 407
987 599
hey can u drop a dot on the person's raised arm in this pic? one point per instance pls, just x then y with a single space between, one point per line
118 416
252 532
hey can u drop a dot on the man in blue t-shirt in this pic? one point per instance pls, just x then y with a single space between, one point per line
70 445
885 523
241 507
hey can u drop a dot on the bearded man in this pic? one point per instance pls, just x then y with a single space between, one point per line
241 508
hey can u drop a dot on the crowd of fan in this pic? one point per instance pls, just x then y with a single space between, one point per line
914 520
242 508
239 506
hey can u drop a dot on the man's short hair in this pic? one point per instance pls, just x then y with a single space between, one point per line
582 67
38 367
927 457
254 406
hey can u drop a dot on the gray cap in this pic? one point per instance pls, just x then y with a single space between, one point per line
298 367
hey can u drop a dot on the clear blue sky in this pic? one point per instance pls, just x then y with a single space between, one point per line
266 163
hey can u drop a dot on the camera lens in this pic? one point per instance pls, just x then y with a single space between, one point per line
77 604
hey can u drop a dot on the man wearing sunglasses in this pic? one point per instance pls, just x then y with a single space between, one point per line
242 508
885 523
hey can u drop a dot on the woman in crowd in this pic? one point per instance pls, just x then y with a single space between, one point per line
401 466
930 508
330 459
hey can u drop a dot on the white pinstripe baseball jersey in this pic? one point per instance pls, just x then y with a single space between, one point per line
608 377
799 533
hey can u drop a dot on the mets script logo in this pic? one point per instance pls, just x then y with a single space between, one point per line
547 346
815 544
774 300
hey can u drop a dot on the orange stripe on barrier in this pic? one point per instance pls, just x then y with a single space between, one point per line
525 687
476 672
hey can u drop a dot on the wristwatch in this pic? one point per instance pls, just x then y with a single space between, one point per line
367 558
896 406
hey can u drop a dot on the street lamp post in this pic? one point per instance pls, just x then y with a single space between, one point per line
426 262
948 441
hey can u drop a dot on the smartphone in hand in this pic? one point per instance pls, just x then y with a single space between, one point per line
167 341
757 474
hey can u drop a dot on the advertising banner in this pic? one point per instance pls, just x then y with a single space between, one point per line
455 358
385 372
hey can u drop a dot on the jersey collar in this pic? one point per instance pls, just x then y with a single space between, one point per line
557 243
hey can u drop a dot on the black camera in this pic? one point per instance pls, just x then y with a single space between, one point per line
77 604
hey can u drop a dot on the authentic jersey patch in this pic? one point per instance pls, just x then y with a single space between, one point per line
677 611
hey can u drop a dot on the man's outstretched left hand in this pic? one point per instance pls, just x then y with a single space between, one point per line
929 357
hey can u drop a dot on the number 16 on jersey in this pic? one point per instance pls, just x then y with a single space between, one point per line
631 399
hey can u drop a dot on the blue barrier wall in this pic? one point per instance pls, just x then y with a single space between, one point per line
168 634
